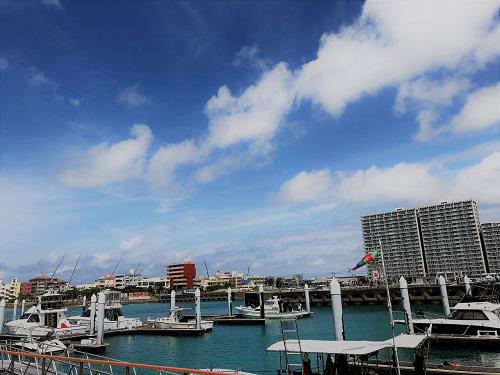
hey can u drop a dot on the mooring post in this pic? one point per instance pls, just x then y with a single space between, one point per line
229 302
172 299
2 313
84 302
444 295
197 300
467 285
261 299
405 297
336 296
14 311
101 301
23 307
308 303
93 301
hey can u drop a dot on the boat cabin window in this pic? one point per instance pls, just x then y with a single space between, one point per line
113 314
86 313
25 316
34 318
469 315
497 313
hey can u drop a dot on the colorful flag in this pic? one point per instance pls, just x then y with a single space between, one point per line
368 258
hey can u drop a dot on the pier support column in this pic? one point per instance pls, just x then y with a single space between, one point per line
467 286
337 309
444 295
308 302
261 300
14 311
172 299
2 313
197 302
101 301
229 302
84 302
23 307
405 297
93 301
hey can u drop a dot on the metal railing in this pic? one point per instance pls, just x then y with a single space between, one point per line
17 361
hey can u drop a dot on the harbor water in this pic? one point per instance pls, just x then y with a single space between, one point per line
244 347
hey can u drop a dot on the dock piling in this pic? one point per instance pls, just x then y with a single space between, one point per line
101 301
308 302
444 295
172 299
23 306
197 301
403 286
336 296
14 310
93 301
467 285
84 302
229 302
2 313
261 299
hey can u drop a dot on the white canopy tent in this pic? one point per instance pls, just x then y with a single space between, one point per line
347 347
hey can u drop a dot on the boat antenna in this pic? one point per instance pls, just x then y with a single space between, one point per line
58 265
206 268
248 272
136 268
74 269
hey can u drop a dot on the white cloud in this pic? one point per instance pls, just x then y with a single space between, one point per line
305 187
39 79
389 45
4 63
132 243
75 102
481 111
131 97
250 55
56 4
107 164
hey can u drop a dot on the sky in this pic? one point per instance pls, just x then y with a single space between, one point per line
249 134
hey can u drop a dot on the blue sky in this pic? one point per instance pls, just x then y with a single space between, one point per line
247 133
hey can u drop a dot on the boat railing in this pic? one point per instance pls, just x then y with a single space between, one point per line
17 361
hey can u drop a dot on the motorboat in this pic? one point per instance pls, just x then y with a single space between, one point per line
274 308
113 315
46 318
53 346
466 318
177 320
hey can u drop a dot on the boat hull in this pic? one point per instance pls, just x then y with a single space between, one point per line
182 325
255 314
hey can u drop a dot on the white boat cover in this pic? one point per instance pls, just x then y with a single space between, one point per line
347 347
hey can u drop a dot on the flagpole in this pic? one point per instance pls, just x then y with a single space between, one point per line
389 306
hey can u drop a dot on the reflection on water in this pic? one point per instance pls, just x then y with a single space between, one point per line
244 347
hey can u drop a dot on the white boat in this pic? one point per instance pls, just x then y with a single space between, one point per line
113 316
466 318
272 310
47 318
177 320
42 347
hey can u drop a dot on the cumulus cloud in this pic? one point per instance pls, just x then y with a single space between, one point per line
132 243
107 164
37 78
305 187
249 55
55 4
481 111
4 63
131 97
413 183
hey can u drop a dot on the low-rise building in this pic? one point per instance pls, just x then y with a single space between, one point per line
42 283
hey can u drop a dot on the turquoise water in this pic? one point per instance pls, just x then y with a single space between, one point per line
244 347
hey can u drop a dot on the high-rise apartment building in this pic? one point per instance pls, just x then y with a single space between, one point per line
181 275
451 239
399 234
491 237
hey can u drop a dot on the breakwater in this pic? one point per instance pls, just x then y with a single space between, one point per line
373 295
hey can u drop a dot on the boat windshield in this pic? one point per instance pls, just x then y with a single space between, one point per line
468 315
497 313
113 314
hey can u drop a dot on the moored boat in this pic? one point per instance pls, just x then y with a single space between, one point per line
273 309
177 320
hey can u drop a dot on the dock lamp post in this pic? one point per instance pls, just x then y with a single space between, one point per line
229 302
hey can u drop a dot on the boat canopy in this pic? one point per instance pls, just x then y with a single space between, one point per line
347 347
485 306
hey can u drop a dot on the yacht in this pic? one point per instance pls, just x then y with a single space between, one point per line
113 316
47 318
466 318
274 308
53 346
177 320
